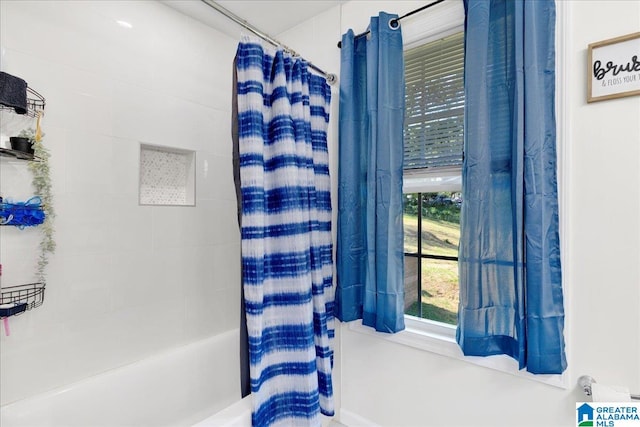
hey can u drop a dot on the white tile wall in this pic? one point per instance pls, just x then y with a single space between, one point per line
127 281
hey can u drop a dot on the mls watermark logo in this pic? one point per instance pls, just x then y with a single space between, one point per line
608 414
585 415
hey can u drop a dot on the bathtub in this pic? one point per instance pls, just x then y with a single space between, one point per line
239 415
194 385
180 387
236 415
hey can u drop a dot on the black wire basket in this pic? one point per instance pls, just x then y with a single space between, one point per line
35 103
24 297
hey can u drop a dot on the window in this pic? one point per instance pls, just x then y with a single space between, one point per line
437 337
432 177
434 104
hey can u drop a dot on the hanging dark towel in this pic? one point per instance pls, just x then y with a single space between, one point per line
245 378
13 92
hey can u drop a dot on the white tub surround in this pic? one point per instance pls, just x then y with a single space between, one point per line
178 388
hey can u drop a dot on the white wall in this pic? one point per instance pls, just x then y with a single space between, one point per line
395 385
605 272
127 281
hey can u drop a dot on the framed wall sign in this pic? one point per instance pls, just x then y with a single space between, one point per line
614 68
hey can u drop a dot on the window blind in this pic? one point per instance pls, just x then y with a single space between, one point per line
434 119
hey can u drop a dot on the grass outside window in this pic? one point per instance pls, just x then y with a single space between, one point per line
440 236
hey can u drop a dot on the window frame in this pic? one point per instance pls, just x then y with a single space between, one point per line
440 338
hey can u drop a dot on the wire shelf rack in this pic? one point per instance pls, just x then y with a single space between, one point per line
31 294
35 103
20 155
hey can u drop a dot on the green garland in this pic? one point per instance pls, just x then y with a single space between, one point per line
42 186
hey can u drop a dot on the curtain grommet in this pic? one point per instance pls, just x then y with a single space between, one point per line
394 24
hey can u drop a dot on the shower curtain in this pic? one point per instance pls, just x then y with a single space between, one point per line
287 264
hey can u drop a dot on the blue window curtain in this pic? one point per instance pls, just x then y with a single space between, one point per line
287 261
511 298
370 270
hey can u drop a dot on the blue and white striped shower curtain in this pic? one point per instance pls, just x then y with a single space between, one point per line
283 113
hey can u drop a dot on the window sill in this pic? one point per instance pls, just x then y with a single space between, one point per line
440 338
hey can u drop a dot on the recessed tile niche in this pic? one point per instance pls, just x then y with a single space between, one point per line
167 176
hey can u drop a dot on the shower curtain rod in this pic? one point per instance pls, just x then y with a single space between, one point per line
331 78
394 22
